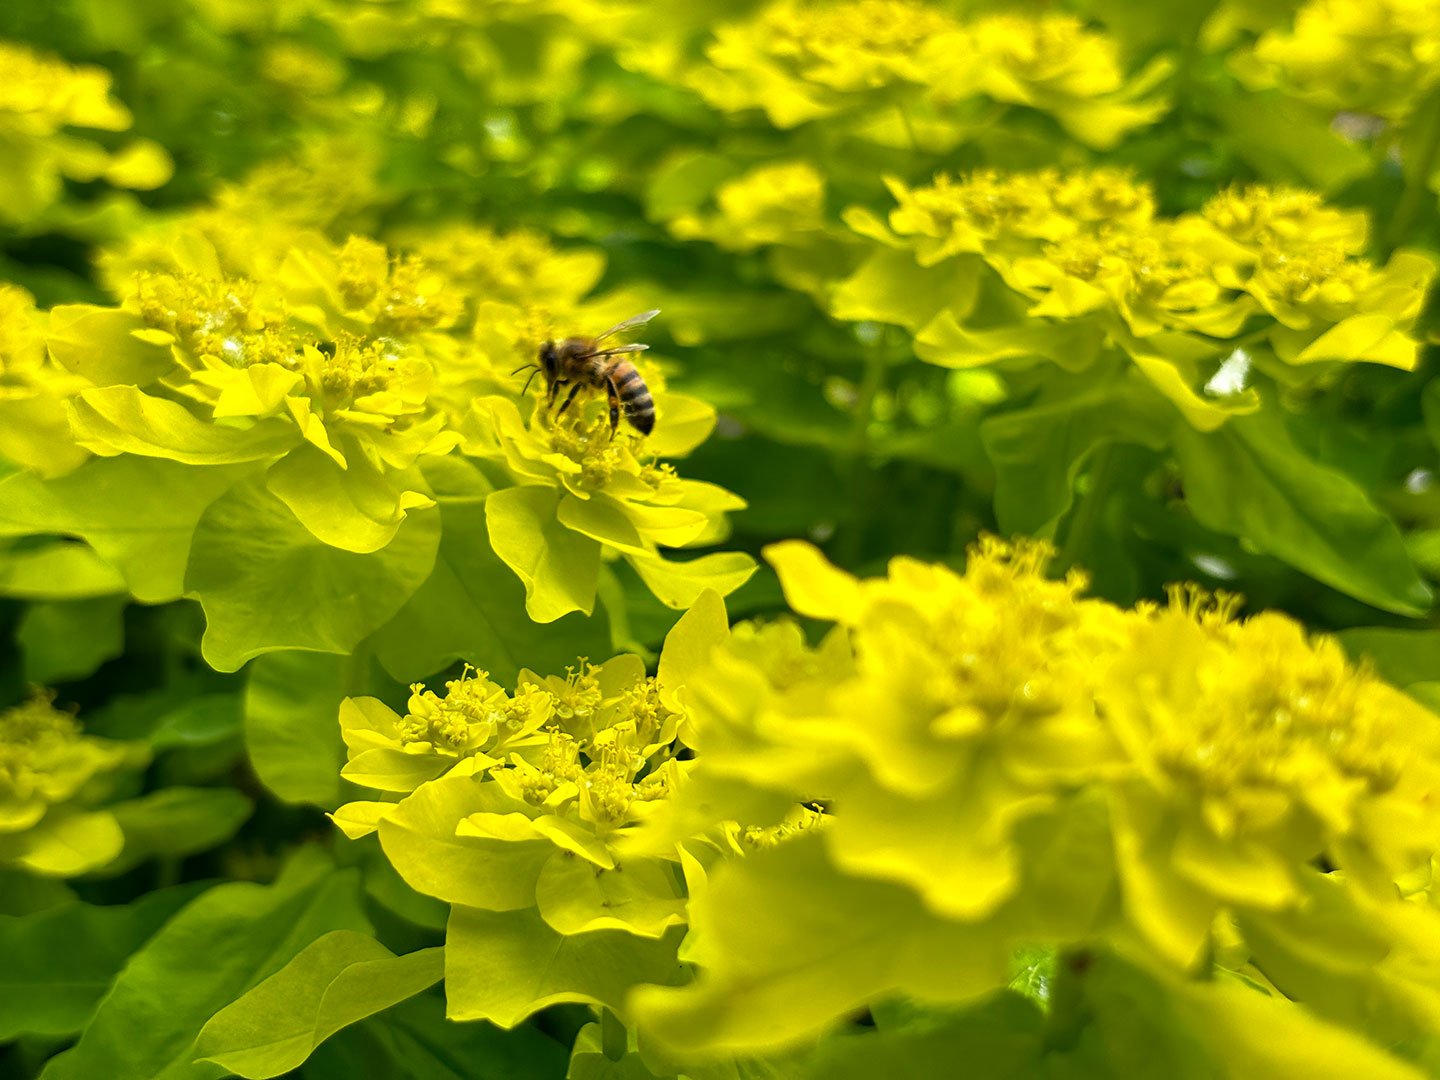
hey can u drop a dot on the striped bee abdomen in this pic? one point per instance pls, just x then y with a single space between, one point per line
630 388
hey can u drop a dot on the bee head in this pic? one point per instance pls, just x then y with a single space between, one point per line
548 360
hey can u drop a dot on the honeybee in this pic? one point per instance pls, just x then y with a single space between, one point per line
583 362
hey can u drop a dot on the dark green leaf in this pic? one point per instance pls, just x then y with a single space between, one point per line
333 982
60 962
1249 479
266 584
209 954
472 608
64 640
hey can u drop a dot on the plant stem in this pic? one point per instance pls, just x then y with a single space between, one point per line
909 127
857 452
1068 1013
1087 516
870 384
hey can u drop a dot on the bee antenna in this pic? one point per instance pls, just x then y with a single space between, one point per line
522 367
531 379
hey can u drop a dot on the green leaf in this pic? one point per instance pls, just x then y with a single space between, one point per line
61 570
690 642
267 584
198 721
641 897
503 966
787 943
558 567
1430 408
139 514
419 838
60 962
1039 451
891 287
215 949
1284 136
679 584
1156 1023
334 981
1002 1037
414 1039
1410 659
1249 480
356 509
66 842
26 894
114 420
68 639
385 886
1073 345
177 821
100 344
473 608
685 180
589 1060
292 731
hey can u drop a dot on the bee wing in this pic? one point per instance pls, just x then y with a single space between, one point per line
614 349
634 320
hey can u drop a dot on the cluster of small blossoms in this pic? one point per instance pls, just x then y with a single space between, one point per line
781 203
517 266
609 495
327 187
41 98
1091 266
341 369
51 773
1380 57
863 58
1006 762
475 721
531 796
596 728
316 357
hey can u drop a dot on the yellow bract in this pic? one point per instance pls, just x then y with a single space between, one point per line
1026 765
1093 270
40 98
1380 56
33 429
901 70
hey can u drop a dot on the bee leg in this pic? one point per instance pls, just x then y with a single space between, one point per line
571 397
614 396
554 390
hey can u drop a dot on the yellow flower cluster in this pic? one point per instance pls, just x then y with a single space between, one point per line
1378 57
51 94
610 492
326 362
869 58
341 369
530 792
50 773
1091 265
782 203
40 99
327 186
1008 763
